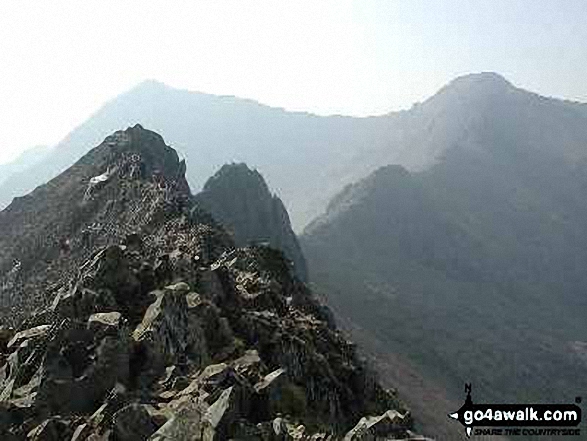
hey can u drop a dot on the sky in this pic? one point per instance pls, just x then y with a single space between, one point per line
61 60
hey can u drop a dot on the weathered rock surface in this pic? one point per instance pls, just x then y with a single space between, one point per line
152 325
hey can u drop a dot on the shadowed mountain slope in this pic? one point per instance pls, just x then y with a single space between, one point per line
473 270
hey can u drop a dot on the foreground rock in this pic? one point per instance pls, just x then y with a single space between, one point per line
161 329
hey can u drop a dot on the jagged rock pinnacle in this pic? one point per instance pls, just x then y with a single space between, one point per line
239 198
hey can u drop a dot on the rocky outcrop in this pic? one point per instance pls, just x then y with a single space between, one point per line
240 199
157 327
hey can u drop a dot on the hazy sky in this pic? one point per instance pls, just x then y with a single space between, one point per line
60 60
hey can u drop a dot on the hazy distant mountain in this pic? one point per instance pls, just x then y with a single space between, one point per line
473 270
240 199
306 158
26 159
300 155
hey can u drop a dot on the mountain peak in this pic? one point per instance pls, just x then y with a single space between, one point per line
482 77
479 83
151 84
143 148
127 168
467 93
238 174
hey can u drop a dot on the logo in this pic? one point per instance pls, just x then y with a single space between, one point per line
518 419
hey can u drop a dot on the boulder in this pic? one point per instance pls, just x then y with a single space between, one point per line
273 396
133 423
163 270
133 241
115 400
187 424
209 379
11 416
209 285
163 334
231 405
272 382
171 373
217 333
76 381
82 432
285 430
81 302
6 335
111 367
110 271
105 323
214 375
53 429
249 365
36 333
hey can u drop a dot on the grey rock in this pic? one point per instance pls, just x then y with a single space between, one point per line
272 382
163 332
38 332
53 429
81 433
105 323
64 390
81 302
217 333
374 428
232 404
133 423
249 365
188 424
6 334
102 417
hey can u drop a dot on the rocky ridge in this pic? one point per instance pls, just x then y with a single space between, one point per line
129 314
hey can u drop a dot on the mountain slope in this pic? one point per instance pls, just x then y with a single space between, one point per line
473 270
239 199
137 318
307 159
66 209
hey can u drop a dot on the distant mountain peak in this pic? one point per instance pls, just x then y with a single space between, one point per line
151 84
473 85
482 77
